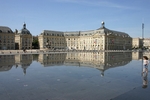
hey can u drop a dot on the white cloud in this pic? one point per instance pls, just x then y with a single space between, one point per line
101 3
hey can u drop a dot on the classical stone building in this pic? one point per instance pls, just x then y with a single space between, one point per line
100 39
146 43
137 43
51 40
141 43
23 38
7 38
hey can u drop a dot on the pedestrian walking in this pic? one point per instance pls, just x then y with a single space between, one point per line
145 64
145 71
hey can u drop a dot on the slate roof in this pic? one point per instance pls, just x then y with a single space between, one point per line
24 30
5 29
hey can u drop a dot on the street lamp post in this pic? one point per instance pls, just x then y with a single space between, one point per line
142 43
142 36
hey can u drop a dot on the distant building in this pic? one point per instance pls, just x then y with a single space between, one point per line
146 43
23 38
137 43
7 38
100 39
140 43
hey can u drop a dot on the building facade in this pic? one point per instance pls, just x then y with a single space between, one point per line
23 38
141 43
51 40
146 43
100 39
137 43
7 38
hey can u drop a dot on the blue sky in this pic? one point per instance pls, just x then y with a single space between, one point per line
77 15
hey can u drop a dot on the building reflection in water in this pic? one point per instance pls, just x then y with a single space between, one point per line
52 59
24 61
6 62
99 60
139 55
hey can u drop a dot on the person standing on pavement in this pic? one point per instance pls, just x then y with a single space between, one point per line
145 64
145 71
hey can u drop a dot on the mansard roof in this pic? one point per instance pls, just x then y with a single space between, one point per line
72 33
53 33
105 30
5 29
102 30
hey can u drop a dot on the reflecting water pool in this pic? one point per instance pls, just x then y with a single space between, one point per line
72 76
